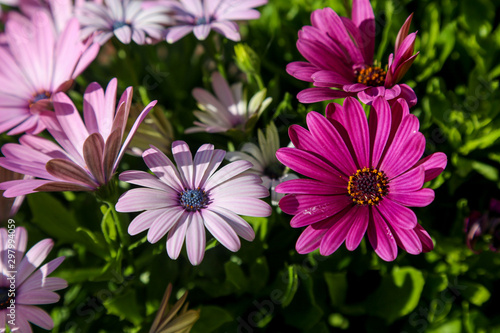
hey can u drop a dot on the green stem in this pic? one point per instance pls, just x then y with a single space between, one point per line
120 226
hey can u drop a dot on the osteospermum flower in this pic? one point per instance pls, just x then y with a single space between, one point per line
32 286
89 151
339 53
265 163
364 174
228 109
202 16
36 64
183 200
126 19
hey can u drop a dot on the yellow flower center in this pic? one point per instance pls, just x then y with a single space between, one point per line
368 186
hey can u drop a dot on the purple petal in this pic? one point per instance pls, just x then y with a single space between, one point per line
420 198
364 19
427 244
309 165
139 199
311 237
164 222
201 31
337 233
184 161
70 172
37 316
331 142
239 225
173 34
176 235
311 186
143 221
357 129
313 95
163 168
433 164
206 161
196 239
221 230
301 70
326 78
93 151
244 206
409 181
408 240
322 210
397 215
33 258
227 172
381 238
144 179
358 227
37 297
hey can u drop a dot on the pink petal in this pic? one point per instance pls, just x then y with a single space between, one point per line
381 237
313 95
139 199
184 161
143 221
311 237
244 206
397 215
358 227
238 224
337 233
163 168
221 230
33 258
195 239
144 179
176 235
164 222
420 198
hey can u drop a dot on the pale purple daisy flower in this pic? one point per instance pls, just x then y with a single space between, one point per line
365 175
140 21
228 109
339 53
202 16
89 152
265 163
36 64
183 200
32 286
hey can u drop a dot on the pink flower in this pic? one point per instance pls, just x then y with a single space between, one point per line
89 152
36 64
364 174
32 286
228 109
201 16
128 20
183 200
339 53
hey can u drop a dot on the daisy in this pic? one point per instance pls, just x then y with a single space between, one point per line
89 152
364 174
128 20
265 163
32 286
339 53
183 200
201 16
36 64
228 109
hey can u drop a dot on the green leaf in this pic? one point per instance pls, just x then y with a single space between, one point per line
487 171
475 293
125 306
60 223
236 276
259 274
398 294
337 287
291 278
211 318
452 326
108 225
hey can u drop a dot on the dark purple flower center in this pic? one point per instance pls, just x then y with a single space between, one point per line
4 298
203 20
368 186
371 76
39 97
193 200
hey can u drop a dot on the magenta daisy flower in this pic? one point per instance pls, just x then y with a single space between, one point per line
364 174
183 200
37 63
32 286
126 19
202 16
89 151
339 53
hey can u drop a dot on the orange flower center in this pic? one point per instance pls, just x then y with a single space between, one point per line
371 76
368 186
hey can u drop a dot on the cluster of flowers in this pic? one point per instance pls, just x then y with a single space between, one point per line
364 172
